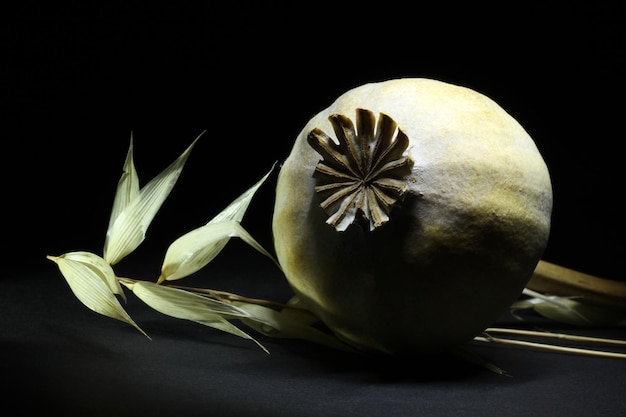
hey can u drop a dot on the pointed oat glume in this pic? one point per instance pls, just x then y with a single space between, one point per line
363 174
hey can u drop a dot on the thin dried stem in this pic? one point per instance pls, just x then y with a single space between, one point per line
545 346
561 336
229 297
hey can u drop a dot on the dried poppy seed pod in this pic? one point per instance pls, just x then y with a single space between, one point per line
410 214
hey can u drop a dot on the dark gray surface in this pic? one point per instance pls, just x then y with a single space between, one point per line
60 357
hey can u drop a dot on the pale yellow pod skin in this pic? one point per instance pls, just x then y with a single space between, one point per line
456 252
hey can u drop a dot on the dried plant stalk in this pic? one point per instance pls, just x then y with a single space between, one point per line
558 280
562 336
486 337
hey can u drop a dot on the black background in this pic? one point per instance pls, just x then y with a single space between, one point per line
78 78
